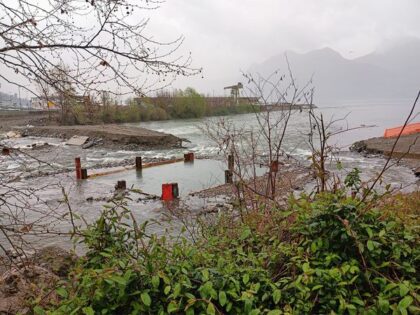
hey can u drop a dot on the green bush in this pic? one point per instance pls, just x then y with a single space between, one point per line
328 255
347 259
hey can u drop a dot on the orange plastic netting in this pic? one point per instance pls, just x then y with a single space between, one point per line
409 129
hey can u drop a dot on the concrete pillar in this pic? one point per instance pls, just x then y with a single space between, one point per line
121 185
84 174
228 177
139 163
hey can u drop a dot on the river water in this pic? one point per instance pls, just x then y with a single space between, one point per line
87 197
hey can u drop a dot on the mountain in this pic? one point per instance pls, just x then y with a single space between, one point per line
391 74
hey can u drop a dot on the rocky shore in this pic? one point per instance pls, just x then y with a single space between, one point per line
37 124
108 135
407 149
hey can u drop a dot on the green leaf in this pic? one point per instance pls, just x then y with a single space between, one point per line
39 310
383 305
167 289
222 298
319 286
155 281
274 312
118 279
370 245
62 292
403 290
276 296
145 297
306 267
177 290
405 302
88 310
172 307
210 309
245 278
205 274
245 234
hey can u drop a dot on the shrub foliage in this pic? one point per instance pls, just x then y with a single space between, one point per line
330 254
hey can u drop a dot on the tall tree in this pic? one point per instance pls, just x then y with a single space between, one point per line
102 42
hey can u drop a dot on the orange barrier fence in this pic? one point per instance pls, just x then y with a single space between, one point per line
408 130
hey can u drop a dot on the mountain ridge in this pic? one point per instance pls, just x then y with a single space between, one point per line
391 74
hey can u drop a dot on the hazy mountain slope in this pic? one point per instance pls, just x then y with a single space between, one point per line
392 74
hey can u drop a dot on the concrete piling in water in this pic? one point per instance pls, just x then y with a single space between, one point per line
84 174
121 185
139 163
170 191
228 177
189 157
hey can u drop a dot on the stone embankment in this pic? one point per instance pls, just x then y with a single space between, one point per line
407 149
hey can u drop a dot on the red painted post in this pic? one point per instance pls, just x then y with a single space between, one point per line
170 191
274 168
167 193
78 168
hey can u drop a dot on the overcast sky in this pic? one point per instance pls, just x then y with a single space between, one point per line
226 36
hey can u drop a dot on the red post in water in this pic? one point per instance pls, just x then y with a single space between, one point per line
274 167
78 168
170 191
